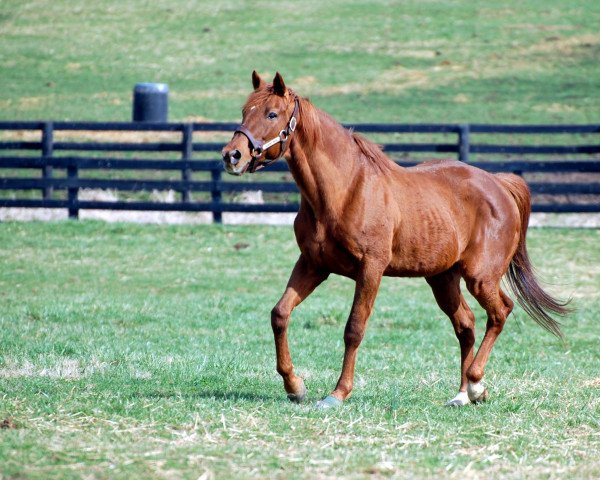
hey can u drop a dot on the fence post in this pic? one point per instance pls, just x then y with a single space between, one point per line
463 142
72 191
215 192
187 148
47 152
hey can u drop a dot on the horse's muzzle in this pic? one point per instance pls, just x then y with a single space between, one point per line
232 164
232 156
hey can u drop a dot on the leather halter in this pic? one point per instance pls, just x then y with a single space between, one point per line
259 147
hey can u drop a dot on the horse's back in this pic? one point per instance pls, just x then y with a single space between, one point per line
461 182
449 210
469 191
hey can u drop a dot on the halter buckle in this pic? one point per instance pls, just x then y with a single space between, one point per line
257 151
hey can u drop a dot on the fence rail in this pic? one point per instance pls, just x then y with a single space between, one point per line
49 166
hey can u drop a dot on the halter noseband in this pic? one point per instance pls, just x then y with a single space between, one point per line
259 147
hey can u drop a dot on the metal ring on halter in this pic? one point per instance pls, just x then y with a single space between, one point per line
257 151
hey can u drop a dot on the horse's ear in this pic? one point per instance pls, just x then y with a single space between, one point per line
279 85
257 82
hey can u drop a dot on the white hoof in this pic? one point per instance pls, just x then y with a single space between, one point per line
460 400
477 392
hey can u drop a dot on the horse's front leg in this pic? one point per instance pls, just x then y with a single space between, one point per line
367 285
303 280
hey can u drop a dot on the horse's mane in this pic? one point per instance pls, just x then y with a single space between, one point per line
310 117
373 152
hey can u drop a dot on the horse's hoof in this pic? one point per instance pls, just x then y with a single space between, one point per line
460 400
328 402
477 392
298 397
483 397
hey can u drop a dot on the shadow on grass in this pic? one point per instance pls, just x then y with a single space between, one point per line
214 388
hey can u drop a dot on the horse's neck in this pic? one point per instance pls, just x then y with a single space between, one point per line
323 163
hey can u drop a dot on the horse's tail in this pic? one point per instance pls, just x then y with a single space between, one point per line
521 276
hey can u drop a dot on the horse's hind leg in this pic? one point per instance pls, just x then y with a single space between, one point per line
446 290
302 282
497 306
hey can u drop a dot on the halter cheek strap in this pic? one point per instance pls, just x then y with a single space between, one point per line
259 147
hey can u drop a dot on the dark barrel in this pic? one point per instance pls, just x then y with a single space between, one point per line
150 102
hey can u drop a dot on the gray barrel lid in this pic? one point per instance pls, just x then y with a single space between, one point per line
148 87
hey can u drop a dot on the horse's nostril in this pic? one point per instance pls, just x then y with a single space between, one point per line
234 156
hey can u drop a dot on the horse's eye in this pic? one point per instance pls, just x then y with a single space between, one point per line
271 115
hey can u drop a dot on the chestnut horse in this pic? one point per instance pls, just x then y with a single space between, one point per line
363 216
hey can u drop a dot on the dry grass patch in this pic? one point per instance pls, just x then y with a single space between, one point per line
48 367
540 57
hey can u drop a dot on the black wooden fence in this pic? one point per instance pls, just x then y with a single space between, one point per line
39 170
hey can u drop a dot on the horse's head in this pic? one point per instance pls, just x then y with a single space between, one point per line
268 119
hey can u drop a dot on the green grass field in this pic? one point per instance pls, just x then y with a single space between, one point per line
134 351
532 61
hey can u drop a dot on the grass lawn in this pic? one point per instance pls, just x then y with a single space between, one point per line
131 351
531 61
141 351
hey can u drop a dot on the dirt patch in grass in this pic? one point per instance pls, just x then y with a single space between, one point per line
8 423
565 46
593 383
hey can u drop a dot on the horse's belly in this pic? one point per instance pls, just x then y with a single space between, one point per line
424 255
424 268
